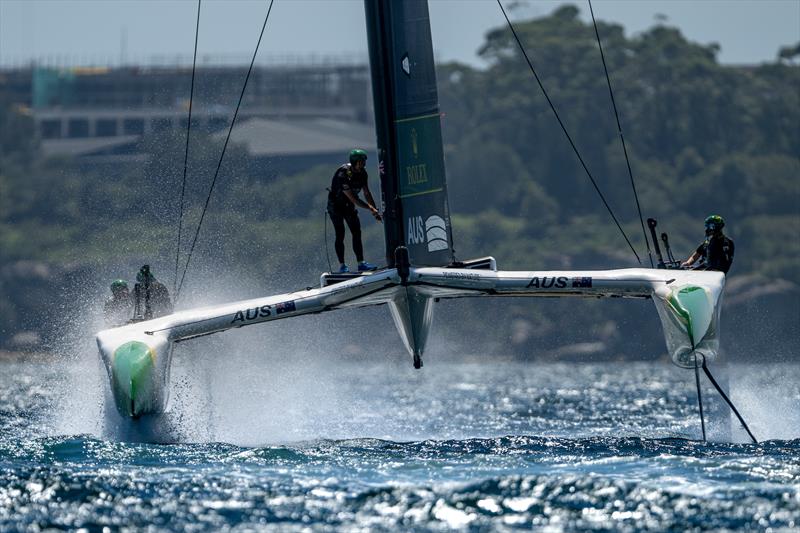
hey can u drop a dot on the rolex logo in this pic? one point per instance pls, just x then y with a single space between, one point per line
414 147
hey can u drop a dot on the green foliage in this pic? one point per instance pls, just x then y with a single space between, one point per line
304 194
702 138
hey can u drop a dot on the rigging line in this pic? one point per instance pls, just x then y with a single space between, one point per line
186 154
727 400
622 138
699 398
222 155
569 138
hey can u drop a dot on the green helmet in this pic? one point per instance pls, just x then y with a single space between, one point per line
714 223
118 285
357 155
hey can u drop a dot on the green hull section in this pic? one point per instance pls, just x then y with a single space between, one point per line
690 316
132 370
694 310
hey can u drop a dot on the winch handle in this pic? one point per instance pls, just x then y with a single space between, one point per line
651 223
668 249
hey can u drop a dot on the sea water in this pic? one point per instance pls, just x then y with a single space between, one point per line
489 444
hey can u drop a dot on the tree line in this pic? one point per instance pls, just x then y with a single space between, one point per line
703 139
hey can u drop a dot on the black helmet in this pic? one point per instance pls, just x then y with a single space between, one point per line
357 154
145 274
714 223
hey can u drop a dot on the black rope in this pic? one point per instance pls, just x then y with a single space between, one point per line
727 400
222 155
622 138
699 397
564 129
186 154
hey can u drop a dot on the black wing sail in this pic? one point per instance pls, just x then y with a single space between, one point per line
409 134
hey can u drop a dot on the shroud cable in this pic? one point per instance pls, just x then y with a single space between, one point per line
569 138
186 154
222 155
622 138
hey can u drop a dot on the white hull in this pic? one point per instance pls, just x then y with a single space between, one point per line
137 356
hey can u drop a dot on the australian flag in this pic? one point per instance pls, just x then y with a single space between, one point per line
582 283
285 307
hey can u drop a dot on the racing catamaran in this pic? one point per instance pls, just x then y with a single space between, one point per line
421 267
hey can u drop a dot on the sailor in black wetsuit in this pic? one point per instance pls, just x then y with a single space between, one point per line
348 181
716 251
151 297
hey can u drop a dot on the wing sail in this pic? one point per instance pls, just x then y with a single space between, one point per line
409 132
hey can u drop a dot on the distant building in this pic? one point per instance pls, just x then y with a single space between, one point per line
298 115
290 146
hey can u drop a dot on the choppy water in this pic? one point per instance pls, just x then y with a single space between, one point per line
491 445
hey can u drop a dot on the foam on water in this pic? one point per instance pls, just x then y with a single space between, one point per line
293 380
225 393
296 434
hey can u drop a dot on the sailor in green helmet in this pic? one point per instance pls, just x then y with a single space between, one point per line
118 309
716 251
348 181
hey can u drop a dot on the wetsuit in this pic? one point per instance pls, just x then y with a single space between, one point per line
152 300
717 253
118 310
342 210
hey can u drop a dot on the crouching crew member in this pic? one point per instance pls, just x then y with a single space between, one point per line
716 251
118 309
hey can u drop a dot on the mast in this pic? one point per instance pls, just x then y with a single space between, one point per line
408 130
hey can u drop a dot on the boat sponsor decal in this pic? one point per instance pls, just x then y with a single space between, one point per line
285 307
417 174
252 313
416 231
405 64
559 282
432 231
462 275
436 233
419 158
547 282
582 283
